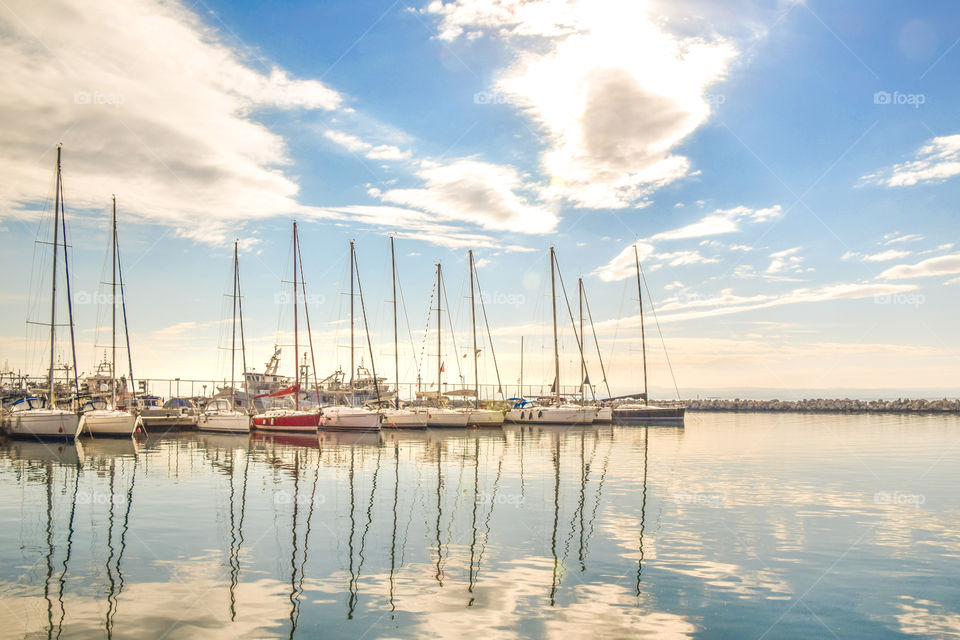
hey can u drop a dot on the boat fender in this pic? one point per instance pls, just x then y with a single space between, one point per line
540 413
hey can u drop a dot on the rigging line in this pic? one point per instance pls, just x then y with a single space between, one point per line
483 308
306 313
596 342
366 328
426 331
616 329
406 318
243 343
126 329
576 335
282 307
66 267
662 342
453 336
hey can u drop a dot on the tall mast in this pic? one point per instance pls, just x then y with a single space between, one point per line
113 309
556 348
243 344
583 363
53 285
643 337
396 354
473 323
233 342
439 360
296 343
521 366
353 398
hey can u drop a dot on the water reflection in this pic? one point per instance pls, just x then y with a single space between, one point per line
524 531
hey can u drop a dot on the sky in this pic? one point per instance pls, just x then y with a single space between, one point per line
787 171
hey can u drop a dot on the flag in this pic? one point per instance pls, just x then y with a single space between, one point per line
441 367
586 381
553 387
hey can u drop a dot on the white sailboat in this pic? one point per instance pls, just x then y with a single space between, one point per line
100 418
440 416
351 417
394 416
40 417
221 414
604 412
477 416
555 411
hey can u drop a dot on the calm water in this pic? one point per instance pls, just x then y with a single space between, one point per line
744 525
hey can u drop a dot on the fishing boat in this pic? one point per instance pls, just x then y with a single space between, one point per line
555 410
632 412
221 413
175 412
295 419
36 416
350 417
476 415
99 417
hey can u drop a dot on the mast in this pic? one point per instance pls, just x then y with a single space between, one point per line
556 348
243 344
473 323
296 344
396 354
113 309
53 284
353 398
439 360
583 363
643 337
233 342
521 366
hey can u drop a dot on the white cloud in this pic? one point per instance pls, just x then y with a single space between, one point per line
357 145
155 107
613 92
896 237
786 260
882 256
679 258
480 193
624 264
939 266
935 161
721 221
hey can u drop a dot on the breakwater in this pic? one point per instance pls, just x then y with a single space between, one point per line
821 405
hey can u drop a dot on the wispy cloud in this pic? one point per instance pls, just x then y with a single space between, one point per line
935 161
939 266
882 256
371 151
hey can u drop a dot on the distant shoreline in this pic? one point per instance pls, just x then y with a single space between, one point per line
820 405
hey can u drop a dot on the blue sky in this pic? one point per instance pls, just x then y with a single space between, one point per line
788 170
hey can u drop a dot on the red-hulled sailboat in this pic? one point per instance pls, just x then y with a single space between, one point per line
294 419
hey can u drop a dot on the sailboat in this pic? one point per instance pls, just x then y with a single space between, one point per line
285 419
641 413
36 416
221 413
477 417
438 415
98 417
351 417
394 416
556 411
604 412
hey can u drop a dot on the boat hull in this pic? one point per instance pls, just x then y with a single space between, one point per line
349 419
109 423
604 414
287 422
649 414
484 418
403 419
552 415
224 423
446 418
44 423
